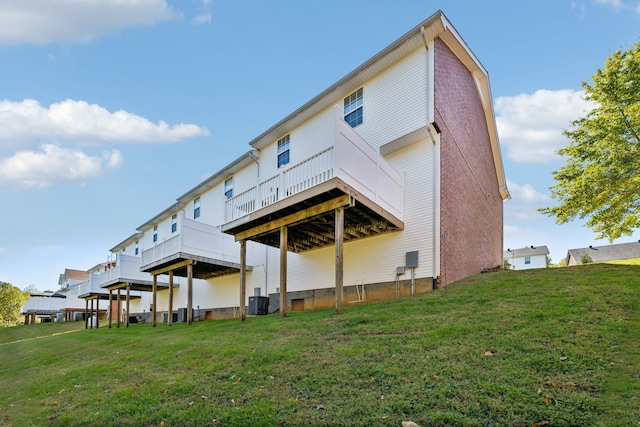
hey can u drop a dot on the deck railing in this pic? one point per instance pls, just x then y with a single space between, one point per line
43 304
349 158
195 238
125 269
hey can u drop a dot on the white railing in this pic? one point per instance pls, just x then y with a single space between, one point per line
91 285
43 304
195 238
126 269
350 158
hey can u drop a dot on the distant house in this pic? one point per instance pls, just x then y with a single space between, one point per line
526 258
604 253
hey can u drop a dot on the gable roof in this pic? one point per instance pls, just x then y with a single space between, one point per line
607 252
524 252
76 274
436 26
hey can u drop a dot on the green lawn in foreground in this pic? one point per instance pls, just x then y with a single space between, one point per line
556 347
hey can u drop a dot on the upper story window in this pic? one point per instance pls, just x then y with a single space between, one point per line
353 108
174 223
155 233
228 188
137 248
196 208
283 151
527 260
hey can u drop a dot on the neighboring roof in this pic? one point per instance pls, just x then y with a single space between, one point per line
234 166
126 242
76 274
524 252
222 174
608 252
436 25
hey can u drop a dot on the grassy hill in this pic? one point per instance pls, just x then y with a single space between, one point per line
555 347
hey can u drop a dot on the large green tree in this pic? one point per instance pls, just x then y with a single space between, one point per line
601 179
11 299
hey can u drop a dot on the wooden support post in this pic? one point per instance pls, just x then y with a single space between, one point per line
86 314
283 270
243 279
126 319
97 312
33 318
154 299
119 309
90 319
189 294
339 259
110 308
170 316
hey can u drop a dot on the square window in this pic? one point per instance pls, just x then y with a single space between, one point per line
283 151
353 108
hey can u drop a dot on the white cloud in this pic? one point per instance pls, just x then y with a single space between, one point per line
47 21
51 165
27 124
530 126
616 4
525 202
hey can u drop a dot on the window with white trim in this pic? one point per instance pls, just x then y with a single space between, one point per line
228 188
283 151
137 249
527 260
174 223
196 208
353 108
155 233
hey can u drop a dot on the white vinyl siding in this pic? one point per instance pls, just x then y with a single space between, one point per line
396 101
375 259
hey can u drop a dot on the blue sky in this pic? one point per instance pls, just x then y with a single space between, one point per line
111 109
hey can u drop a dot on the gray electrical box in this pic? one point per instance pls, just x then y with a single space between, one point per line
399 270
411 259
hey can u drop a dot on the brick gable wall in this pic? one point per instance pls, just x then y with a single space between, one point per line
471 205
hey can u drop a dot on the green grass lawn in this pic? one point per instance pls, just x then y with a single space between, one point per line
555 347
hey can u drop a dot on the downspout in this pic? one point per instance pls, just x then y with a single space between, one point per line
434 135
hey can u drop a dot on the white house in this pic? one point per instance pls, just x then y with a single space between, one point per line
389 182
526 258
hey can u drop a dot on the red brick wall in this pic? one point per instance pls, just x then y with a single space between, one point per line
471 206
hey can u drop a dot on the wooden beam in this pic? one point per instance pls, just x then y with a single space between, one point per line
283 271
189 293
154 300
172 267
97 313
330 205
119 309
86 314
126 319
170 316
243 279
339 259
110 307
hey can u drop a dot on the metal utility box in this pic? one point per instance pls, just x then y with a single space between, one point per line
411 260
258 305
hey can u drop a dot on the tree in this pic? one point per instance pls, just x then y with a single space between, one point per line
585 258
11 299
601 179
